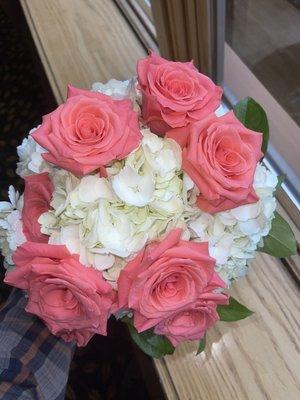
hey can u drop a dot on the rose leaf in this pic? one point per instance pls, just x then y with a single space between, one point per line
234 311
154 345
280 242
253 116
201 345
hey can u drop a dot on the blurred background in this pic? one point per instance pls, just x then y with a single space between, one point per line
250 47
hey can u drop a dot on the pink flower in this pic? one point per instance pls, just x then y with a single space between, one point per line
174 93
220 155
169 283
37 196
195 321
88 131
74 301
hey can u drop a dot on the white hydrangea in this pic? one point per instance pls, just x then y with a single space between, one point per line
11 229
118 90
112 274
234 235
103 219
134 187
150 176
74 203
30 157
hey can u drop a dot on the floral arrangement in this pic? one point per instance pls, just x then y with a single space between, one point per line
141 201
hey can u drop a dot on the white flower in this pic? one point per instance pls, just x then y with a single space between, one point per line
120 90
30 158
15 235
234 235
70 237
116 89
112 274
167 197
117 232
133 188
104 218
163 155
149 175
11 229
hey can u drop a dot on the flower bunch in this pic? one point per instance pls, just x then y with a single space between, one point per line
139 202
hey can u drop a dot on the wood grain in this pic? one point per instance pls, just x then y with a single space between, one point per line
257 358
82 41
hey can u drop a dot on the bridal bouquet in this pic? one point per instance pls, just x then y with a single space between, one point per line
142 202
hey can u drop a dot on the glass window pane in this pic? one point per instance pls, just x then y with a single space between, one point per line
262 60
266 36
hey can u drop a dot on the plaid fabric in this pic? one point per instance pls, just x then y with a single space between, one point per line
34 364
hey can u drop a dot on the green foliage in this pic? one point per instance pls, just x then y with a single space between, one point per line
154 345
280 241
253 116
201 345
234 311
281 178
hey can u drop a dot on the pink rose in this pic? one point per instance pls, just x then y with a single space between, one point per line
174 93
220 155
169 280
37 197
88 131
74 301
191 324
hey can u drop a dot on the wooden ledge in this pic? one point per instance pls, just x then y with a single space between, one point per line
81 42
257 358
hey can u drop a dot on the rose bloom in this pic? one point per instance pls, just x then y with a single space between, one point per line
74 301
220 155
195 320
37 197
174 94
88 131
171 286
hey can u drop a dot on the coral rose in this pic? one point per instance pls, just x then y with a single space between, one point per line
88 131
74 301
220 155
174 94
168 281
190 324
37 197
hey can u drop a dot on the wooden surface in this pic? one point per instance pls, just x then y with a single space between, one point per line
83 41
254 359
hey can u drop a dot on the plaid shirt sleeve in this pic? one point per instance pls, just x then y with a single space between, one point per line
34 364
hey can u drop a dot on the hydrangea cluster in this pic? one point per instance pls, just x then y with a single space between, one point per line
11 230
234 235
104 218
30 158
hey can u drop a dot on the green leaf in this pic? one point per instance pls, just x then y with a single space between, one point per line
154 345
201 345
234 311
280 241
253 116
280 179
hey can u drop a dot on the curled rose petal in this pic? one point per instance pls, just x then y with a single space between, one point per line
37 196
